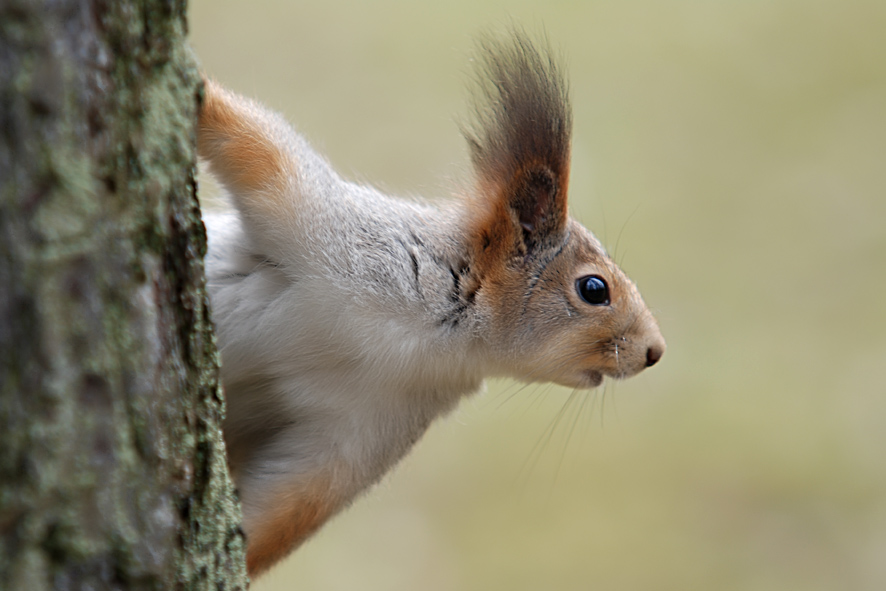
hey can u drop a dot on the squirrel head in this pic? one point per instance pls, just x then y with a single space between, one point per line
556 307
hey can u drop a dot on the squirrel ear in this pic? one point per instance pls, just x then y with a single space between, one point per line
521 138
540 205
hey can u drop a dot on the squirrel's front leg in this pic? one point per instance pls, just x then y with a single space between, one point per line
254 154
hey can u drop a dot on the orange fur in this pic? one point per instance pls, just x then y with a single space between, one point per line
237 138
297 514
494 225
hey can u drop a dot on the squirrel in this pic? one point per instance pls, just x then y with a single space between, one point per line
348 320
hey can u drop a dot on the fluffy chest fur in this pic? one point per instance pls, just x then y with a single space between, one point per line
345 359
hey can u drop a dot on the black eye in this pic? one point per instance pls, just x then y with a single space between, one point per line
593 290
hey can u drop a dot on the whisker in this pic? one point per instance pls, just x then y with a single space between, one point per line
537 450
615 256
582 398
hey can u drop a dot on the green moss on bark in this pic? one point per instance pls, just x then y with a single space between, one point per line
112 468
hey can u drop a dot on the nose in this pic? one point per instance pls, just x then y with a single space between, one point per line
653 354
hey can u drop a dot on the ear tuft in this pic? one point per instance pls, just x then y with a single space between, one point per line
520 138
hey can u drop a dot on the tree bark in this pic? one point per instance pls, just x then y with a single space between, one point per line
112 466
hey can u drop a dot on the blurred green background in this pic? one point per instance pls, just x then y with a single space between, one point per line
732 155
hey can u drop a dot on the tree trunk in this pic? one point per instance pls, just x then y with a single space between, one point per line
112 466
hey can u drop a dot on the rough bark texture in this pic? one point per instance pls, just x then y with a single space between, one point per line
112 470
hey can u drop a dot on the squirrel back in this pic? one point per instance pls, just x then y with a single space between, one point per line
348 320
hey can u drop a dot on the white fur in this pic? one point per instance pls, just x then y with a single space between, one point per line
338 338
